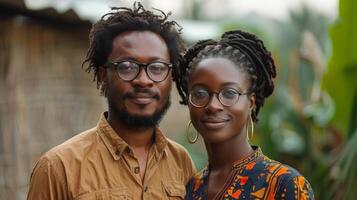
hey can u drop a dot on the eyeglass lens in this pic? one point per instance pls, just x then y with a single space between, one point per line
200 97
156 71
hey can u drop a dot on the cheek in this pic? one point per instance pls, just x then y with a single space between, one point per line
165 89
116 89
239 115
195 115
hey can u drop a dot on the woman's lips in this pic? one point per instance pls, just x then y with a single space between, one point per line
215 123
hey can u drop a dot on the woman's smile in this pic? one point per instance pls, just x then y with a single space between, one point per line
215 122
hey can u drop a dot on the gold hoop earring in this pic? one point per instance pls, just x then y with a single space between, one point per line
251 128
187 133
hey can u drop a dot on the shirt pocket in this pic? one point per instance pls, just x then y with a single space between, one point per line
108 194
174 190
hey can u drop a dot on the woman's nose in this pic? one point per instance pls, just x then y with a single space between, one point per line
214 104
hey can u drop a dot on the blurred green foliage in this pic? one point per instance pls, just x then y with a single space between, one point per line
341 83
341 79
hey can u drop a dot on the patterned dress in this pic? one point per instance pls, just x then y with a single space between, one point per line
255 177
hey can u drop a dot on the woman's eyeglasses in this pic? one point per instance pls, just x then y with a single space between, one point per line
200 97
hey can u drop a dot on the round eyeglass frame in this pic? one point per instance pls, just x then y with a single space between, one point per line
218 96
141 65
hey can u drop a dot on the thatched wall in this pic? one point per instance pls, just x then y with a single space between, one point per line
45 96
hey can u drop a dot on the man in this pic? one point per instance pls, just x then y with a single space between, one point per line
132 53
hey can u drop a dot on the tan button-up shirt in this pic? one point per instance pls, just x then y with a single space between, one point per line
98 164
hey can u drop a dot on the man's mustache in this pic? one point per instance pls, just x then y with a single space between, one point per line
141 91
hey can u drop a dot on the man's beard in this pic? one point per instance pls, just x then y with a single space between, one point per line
141 121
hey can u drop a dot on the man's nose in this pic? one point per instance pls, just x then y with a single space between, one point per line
142 79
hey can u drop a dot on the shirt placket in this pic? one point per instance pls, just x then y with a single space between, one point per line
132 166
134 170
152 166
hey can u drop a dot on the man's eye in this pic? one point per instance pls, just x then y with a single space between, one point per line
157 68
126 67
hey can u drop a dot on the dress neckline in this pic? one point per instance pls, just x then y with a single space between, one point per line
252 157
237 165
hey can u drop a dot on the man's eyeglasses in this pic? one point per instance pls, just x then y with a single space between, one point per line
200 97
128 70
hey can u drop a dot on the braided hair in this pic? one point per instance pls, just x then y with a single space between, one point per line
244 49
122 19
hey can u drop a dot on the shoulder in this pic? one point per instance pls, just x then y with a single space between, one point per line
198 177
196 183
176 148
53 163
293 184
49 178
282 171
290 183
277 168
71 149
178 152
179 155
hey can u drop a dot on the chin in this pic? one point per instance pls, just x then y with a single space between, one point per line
213 139
148 109
141 113
215 136
148 117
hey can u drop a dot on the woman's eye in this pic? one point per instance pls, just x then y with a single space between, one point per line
229 93
200 94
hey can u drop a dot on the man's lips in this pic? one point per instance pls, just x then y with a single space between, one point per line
141 98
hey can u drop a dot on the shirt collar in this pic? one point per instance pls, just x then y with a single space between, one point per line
160 143
117 146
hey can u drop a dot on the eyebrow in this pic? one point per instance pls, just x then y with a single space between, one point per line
153 59
226 84
236 85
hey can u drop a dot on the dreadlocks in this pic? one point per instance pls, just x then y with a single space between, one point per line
123 19
246 50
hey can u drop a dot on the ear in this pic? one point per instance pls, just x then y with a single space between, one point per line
252 98
102 81
102 75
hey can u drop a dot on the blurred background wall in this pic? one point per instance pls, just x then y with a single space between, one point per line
309 122
45 95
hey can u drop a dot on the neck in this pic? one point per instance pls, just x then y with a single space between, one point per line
137 137
222 155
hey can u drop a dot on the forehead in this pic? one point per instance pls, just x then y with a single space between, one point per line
214 73
143 46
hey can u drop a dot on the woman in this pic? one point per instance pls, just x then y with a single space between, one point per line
225 83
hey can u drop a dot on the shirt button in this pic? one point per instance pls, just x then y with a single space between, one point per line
145 188
136 170
117 152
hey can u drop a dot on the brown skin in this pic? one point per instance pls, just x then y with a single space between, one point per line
142 47
222 128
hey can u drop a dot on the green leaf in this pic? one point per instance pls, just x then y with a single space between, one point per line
345 171
341 79
322 112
